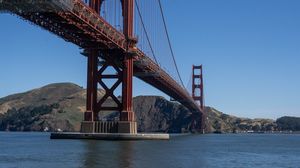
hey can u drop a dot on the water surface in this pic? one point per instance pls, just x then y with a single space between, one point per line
36 150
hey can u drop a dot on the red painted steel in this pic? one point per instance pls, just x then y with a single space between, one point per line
198 85
127 113
96 5
109 92
80 24
91 86
123 75
198 96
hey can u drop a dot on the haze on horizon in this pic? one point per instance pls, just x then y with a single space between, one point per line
250 51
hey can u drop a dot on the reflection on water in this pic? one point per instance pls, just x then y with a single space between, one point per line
125 154
36 150
136 154
106 154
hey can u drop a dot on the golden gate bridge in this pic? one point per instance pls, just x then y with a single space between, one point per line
128 36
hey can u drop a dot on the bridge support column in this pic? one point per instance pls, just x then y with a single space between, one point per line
96 75
90 116
91 94
198 95
124 75
127 118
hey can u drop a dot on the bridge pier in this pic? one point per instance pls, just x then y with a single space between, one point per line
124 75
95 104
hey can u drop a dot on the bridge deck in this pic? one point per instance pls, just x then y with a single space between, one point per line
75 22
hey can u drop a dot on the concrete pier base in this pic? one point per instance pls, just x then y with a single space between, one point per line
109 130
127 127
109 136
109 127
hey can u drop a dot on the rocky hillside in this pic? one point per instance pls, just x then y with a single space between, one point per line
289 123
224 123
61 106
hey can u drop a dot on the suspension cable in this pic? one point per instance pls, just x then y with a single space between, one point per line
146 33
169 42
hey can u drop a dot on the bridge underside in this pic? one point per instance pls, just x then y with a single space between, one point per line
77 23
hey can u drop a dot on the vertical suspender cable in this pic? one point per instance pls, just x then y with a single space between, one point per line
142 22
169 42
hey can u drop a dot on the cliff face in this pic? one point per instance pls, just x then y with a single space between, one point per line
155 113
61 106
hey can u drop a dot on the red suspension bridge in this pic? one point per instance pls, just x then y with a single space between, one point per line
128 36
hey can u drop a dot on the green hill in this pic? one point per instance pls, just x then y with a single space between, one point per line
61 106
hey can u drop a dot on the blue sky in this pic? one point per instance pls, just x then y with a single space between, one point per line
250 51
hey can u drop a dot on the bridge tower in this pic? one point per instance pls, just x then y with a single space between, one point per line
96 75
197 86
198 95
